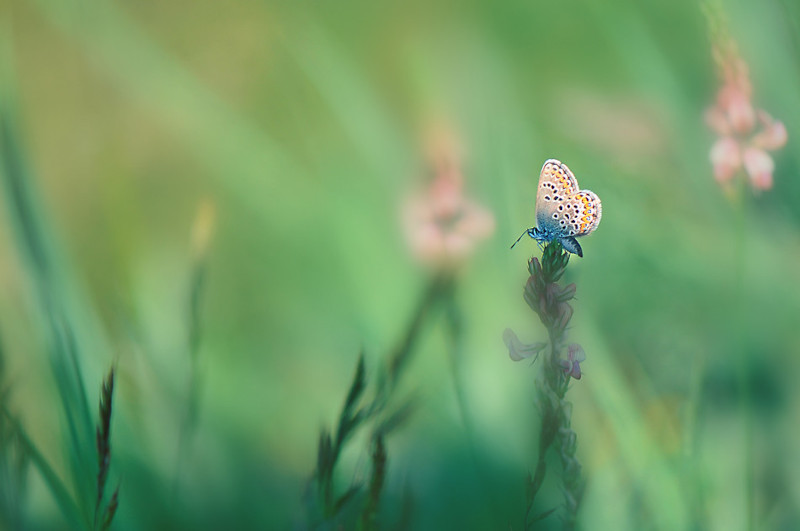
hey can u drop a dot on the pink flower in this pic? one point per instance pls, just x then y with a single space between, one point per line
773 135
572 365
725 159
718 121
442 226
759 166
734 119
736 107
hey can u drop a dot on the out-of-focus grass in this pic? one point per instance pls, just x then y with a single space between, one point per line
304 123
57 314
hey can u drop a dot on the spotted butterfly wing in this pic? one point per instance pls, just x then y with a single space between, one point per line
563 211
556 185
586 211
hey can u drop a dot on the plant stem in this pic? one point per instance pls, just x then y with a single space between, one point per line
455 325
399 358
188 422
740 321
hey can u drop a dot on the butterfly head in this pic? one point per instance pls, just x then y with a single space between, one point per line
534 233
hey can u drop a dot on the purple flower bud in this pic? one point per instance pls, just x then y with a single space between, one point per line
552 291
572 365
564 315
567 293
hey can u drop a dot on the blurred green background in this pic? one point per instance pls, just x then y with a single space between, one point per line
302 126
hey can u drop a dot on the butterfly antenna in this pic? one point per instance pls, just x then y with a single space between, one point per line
520 237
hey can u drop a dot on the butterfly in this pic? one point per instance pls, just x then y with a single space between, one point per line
563 211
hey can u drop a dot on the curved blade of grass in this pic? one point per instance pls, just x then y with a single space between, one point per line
57 488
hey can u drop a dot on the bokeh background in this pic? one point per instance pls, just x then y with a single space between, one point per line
286 136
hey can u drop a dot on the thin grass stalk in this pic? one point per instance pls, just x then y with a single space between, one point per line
352 416
399 358
188 423
111 510
356 413
103 440
369 516
201 236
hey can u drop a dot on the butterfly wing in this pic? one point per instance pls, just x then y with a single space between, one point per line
557 185
557 172
569 243
582 213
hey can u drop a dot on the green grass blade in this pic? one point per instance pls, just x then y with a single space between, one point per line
57 488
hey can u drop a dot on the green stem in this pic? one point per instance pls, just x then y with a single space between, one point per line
745 401
551 382
369 516
397 362
691 439
455 322
401 355
542 294
188 423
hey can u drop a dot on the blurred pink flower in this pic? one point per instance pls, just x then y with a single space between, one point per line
725 158
443 226
772 135
734 119
759 166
